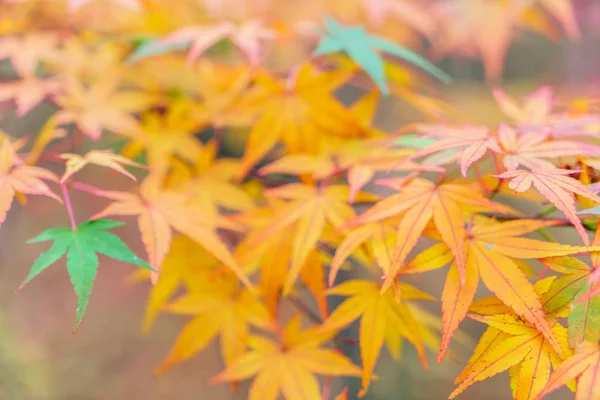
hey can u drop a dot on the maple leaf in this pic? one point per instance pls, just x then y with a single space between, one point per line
165 136
515 344
222 90
363 49
380 316
220 86
210 182
81 245
536 107
15 177
466 145
187 264
360 159
571 291
297 114
219 308
557 187
29 92
420 201
411 12
376 237
100 106
26 52
288 366
272 256
585 364
103 158
49 132
310 210
161 211
485 28
74 5
247 36
529 149
86 59
490 248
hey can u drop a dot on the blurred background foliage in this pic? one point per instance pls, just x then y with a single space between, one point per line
110 358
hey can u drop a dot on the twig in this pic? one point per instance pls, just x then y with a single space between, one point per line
304 309
69 207
327 388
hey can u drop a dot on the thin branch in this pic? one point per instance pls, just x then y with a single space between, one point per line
304 309
69 207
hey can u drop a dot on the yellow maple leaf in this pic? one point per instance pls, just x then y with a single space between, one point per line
288 365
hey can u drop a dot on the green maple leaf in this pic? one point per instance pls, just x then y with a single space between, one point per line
364 49
81 246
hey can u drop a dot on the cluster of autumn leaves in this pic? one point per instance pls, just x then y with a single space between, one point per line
309 199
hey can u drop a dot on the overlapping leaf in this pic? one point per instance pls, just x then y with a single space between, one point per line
103 158
310 210
556 186
585 364
101 106
288 366
570 293
219 308
420 201
514 345
381 316
199 38
490 250
161 211
16 177
297 112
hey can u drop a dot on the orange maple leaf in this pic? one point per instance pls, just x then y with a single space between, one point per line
103 158
100 106
490 250
585 364
380 316
361 160
515 344
187 264
272 256
165 137
288 365
159 212
16 177
296 112
219 308
420 201
310 210
211 181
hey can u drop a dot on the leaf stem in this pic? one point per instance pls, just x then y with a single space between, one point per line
304 309
69 207
327 388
